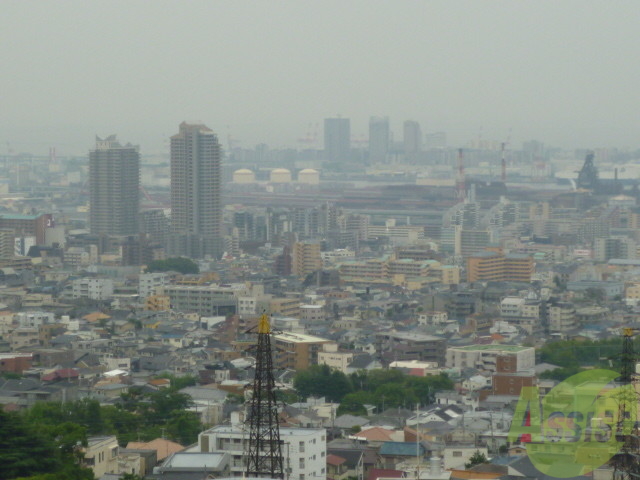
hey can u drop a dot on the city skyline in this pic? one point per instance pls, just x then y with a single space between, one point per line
555 71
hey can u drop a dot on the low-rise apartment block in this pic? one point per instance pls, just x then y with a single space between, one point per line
486 357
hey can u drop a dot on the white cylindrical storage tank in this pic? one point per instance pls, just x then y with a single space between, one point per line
280 175
309 176
244 175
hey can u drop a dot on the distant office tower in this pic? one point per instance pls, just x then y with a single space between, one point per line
114 182
196 201
412 137
337 139
379 139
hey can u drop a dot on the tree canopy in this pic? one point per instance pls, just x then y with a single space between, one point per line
584 353
382 388
476 459
36 451
176 264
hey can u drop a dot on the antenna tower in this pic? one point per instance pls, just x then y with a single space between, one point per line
626 463
264 456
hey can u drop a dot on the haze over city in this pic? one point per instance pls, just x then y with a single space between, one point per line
332 240
563 72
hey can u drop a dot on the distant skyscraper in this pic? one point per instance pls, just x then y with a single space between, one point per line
412 137
379 139
114 182
196 201
337 139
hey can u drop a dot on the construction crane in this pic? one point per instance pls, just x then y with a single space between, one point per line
311 138
626 463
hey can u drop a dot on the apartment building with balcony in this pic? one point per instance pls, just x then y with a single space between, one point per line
486 357
304 450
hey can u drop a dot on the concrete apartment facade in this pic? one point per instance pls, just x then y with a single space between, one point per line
196 199
304 449
114 183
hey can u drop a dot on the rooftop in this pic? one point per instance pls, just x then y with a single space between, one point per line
489 348
299 338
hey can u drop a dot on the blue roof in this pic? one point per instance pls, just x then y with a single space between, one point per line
407 449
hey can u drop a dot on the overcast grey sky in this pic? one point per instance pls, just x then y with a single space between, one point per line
565 72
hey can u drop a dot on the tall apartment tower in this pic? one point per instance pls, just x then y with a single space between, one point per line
196 201
114 183
337 139
379 139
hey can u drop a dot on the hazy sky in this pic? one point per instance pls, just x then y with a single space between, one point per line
562 71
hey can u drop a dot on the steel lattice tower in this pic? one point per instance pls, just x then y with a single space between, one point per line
626 463
264 455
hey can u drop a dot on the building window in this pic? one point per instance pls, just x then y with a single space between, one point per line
457 453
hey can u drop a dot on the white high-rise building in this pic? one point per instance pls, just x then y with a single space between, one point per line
304 449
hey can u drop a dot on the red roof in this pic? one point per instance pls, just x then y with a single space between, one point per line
335 460
63 373
376 473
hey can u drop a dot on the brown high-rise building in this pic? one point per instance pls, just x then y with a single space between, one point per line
114 183
306 258
196 201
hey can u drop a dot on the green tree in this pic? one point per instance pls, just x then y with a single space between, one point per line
354 403
178 383
379 377
321 381
476 459
93 420
177 264
184 427
25 451
390 395
165 402
561 373
41 452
